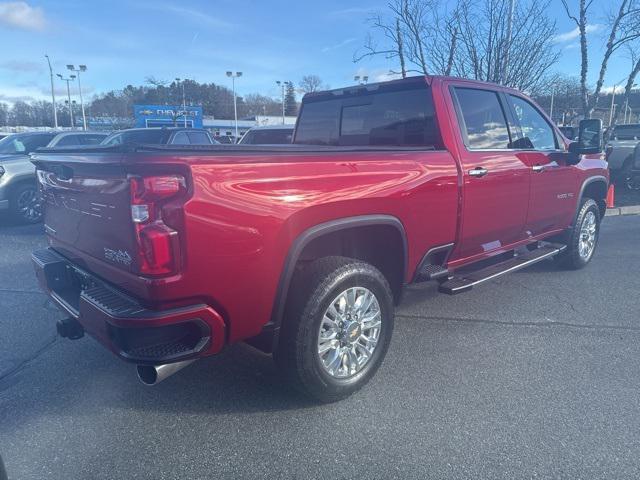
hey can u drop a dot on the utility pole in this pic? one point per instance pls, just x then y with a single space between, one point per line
613 97
505 65
53 95
553 92
81 68
282 85
68 80
233 77
184 103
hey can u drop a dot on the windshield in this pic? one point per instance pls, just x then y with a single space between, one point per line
23 144
153 137
626 132
271 136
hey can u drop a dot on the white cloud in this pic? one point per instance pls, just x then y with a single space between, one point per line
337 46
351 12
20 66
22 15
192 15
575 33
609 89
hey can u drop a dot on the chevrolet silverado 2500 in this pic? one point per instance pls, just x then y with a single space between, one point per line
165 254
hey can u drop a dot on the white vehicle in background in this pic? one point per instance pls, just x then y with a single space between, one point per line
620 145
268 135
73 139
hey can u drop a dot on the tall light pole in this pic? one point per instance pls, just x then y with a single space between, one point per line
507 50
613 98
53 95
553 92
233 77
184 103
68 80
282 85
81 68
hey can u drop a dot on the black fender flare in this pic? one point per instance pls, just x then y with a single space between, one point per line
585 184
319 230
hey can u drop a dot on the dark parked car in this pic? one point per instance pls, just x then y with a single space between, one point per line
268 135
160 136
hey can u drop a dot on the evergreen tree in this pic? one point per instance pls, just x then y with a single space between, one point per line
290 104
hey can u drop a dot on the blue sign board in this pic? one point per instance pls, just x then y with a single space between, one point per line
167 116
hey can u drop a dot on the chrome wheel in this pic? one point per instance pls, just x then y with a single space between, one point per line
28 205
349 332
587 241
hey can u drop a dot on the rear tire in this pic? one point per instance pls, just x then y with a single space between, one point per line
583 238
337 328
25 204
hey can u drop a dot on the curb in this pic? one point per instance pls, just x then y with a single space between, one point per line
630 210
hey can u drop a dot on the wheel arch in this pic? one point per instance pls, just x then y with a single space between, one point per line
595 187
337 228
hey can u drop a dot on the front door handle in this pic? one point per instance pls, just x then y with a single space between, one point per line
478 172
538 168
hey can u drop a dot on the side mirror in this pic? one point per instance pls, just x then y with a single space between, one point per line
589 137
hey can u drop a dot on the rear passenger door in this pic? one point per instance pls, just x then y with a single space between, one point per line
552 201
495 178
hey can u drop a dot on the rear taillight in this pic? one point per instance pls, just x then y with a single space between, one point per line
158 244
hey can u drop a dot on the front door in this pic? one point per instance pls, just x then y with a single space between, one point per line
552 201
496 178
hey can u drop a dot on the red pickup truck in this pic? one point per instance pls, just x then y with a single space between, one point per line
165 254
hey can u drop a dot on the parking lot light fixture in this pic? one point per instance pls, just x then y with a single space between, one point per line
68 80
233 77
53 95
282 85
81 68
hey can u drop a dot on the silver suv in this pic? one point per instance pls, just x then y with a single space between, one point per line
18 188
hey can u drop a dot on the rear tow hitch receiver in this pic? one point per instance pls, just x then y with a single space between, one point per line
70 328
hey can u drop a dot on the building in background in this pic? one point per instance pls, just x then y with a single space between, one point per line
146 116
222 127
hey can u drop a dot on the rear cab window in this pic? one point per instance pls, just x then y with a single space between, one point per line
398 114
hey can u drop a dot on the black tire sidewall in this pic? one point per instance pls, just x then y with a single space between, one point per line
13 203
324 285
316 312
574 258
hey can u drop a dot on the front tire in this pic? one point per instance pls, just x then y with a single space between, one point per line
583 238
25 204
337 328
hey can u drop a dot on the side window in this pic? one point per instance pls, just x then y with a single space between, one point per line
68 140
199 138
180 139
483 121
36 141
92 139
535 130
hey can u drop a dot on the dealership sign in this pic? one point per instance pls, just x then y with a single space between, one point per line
167 115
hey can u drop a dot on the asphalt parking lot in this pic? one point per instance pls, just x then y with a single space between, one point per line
534 375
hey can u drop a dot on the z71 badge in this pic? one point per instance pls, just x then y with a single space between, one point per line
118 256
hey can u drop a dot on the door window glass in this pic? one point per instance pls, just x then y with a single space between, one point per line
535 131
483 121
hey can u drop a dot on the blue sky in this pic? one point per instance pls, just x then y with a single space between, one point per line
126 41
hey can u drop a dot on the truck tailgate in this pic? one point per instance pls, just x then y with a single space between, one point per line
87 208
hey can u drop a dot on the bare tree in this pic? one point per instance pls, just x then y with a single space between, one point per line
469 40
311 83
484 33
624 27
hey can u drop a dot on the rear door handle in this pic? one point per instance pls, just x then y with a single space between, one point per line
478 172
538 168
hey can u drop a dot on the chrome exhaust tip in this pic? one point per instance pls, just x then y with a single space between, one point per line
154 374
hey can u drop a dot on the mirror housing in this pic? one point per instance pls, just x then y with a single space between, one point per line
589 137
